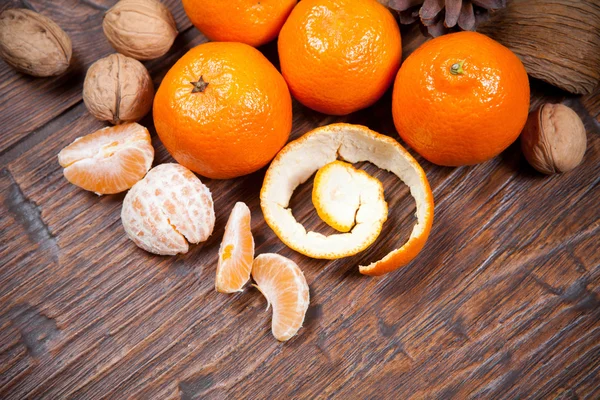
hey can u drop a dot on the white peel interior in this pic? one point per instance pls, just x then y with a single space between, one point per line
344 195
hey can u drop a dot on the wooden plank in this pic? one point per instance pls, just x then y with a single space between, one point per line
27 103
503 302
495 293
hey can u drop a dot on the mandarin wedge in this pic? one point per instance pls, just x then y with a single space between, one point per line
236 252
282 282
110 160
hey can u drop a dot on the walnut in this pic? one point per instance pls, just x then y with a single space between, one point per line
142 29
33 44
554 139
118 89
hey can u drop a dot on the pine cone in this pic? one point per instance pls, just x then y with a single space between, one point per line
442 16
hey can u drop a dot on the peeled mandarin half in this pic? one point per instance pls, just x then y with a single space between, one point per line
236 252
167 209
344 196
282 282
110 160
296 163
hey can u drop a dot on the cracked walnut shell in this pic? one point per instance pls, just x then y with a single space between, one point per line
33 44
118 89
142 29
554 139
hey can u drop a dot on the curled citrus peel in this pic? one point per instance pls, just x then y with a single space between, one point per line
296 163
344 196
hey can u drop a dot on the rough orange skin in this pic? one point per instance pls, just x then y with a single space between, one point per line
254 22
461 119
237 124
339 56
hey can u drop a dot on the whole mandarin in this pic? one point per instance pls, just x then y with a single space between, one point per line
223 110
460 99
254 22
339 56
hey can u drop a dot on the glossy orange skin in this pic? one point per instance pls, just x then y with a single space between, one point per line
461 119
254 22
237 124
339 56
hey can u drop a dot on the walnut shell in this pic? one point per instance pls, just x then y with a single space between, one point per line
554 139
142 29
33 44
118 89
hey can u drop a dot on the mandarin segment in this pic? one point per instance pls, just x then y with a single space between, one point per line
110 160
339 56
223 110
167 209
236 252
283 284
456 106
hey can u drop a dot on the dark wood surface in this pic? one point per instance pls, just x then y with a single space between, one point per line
504 301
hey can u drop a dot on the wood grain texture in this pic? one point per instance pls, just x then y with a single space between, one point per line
504 301
557 40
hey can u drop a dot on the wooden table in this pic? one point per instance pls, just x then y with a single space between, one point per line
502 303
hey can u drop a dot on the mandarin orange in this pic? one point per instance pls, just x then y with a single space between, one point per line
110 160
247 21
236 252
460 99
339 56
223 110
